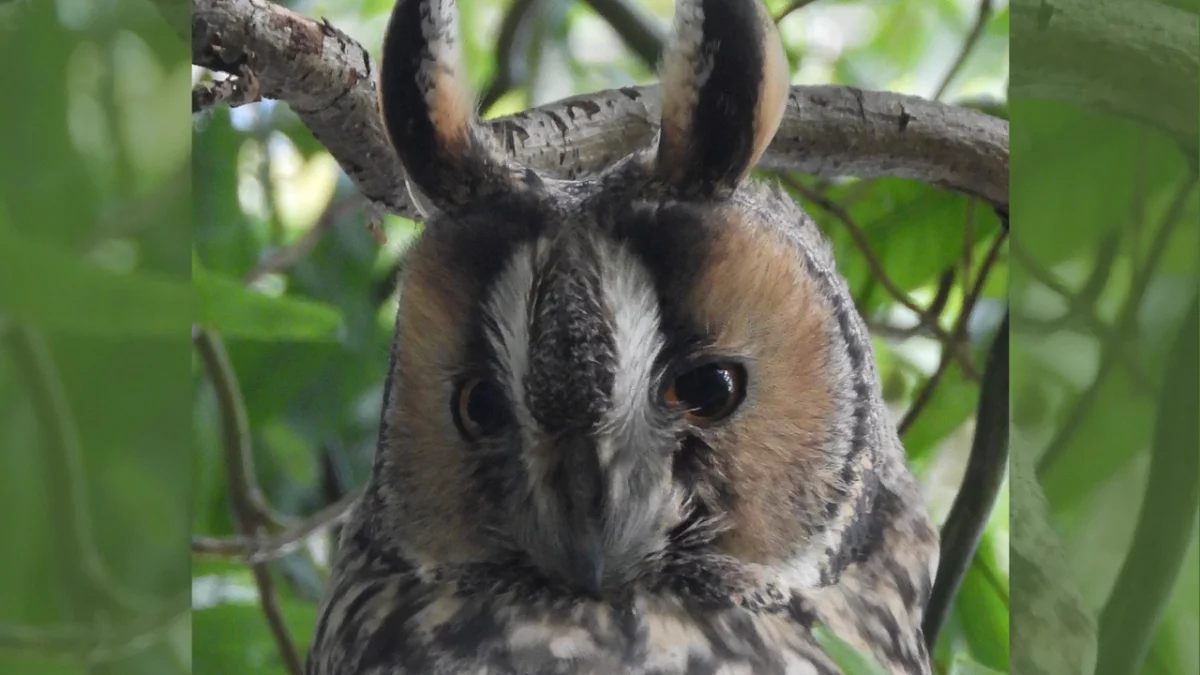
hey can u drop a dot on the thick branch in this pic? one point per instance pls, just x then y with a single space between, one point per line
328 79
973 505
1167 518
1133 59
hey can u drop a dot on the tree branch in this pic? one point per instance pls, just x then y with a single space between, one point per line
328 79
638 30
1133 59
249 511
1168 515
973 504
511 42
231 92
957 338
1124 329
80 567
264 549
981 19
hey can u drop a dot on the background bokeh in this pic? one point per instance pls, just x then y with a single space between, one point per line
111 447
264 185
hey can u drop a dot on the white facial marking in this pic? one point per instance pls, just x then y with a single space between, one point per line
629 294
508 330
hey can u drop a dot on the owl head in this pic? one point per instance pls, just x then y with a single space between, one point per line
649 376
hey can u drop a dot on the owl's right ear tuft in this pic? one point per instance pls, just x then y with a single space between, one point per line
427 111
724 89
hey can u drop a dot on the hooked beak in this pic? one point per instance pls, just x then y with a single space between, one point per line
583 500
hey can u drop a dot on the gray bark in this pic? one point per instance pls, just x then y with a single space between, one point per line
328 79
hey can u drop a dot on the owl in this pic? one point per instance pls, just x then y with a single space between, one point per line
632 423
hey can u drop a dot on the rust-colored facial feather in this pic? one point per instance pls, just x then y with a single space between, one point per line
754 298
429 459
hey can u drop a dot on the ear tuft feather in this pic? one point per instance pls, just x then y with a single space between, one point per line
724 89
427 111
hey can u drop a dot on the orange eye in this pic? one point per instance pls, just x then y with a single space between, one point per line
480 409
709 393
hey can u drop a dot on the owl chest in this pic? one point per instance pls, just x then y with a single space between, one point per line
456 636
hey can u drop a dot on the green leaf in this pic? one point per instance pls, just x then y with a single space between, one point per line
44 286
235 311
914 230
963 665
954 400
236 637
846 657
983 615
1110 436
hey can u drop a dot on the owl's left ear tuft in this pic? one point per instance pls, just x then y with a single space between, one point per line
427 110
724 89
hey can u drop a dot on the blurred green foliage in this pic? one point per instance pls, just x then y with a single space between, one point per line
265 185
95 309
1105 241
100 396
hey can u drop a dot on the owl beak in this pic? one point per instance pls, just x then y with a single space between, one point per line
584 505
588 569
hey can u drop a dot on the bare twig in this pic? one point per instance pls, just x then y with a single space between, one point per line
1121 332
92 587
264 549
927 318
981 19
334 213
637 29
958 337
511 43
84 644
249 509
860 240
1081 308
269 600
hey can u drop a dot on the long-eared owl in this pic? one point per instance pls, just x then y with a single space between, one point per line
632 423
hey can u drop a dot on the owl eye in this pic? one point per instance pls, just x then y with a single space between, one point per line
480 409
709 393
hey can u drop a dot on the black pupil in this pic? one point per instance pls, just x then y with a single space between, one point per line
706 390
486 407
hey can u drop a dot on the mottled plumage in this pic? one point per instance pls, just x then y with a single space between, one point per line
631 423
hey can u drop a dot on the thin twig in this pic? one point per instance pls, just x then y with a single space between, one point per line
796 5
981 19
249 510
860 240
255 550
511 43
278 625
334 213
958 337
634 26
84 644
92 586
968 238
1081 308
1121 333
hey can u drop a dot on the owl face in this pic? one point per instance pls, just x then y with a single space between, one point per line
645 377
